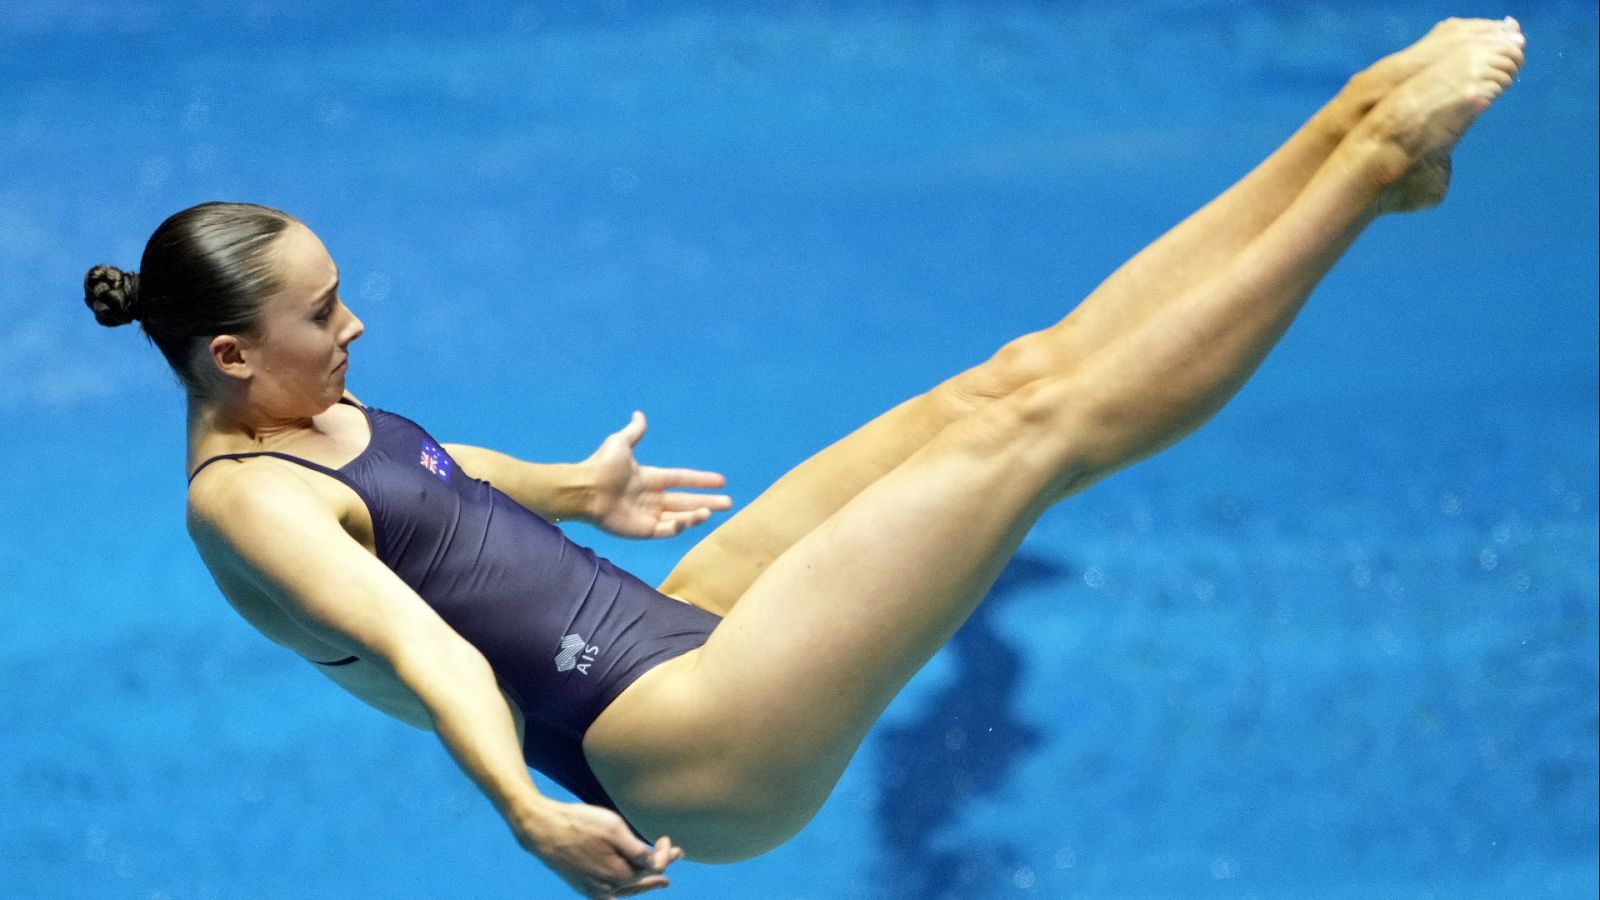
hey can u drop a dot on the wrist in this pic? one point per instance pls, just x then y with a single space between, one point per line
563 491
578 493
531 821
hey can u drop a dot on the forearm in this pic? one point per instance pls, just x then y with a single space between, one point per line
473 720
556 491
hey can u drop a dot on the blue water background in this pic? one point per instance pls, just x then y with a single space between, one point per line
1339 644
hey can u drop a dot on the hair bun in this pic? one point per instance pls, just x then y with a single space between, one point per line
112 294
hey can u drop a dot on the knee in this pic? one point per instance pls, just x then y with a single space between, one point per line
1043 408
1020 362
1048 422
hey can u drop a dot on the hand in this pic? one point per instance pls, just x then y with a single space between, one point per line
592 850
637 501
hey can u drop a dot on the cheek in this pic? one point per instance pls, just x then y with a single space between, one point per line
301 355
311 345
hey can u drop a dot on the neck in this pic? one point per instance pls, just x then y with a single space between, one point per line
232 425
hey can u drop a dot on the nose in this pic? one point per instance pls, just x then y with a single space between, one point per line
352 330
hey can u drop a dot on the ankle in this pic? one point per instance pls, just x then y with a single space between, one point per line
1360 94
1367 155
1330 124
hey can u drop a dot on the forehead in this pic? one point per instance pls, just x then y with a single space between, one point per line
304 265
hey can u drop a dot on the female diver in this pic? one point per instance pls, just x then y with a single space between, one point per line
722 709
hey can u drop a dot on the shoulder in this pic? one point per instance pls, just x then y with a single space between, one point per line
231 500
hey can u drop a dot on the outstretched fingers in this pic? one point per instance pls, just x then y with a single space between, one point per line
686 478
682 506
672 524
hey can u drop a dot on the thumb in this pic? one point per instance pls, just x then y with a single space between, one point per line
634 430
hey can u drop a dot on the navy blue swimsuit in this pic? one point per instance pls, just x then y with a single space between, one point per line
564 630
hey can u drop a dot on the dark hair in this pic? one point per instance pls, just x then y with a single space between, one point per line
206 271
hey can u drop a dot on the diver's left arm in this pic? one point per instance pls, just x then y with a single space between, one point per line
610 489
556 491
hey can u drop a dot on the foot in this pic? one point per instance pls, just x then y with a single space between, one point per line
1368 88
1414 128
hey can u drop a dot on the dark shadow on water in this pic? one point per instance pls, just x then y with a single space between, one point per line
962 747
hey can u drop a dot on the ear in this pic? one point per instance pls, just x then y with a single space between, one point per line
230 354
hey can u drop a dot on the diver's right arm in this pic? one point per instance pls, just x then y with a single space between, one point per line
269 527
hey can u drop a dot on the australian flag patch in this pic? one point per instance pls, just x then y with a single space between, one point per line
435 460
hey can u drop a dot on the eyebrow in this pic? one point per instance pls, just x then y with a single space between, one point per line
322 298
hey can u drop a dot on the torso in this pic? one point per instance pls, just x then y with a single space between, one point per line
568 634
340 434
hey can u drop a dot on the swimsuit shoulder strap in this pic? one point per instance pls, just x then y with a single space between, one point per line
294 459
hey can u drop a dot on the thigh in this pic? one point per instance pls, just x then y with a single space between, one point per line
831 631
751 733
718 571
